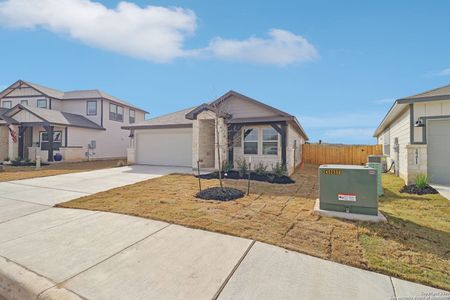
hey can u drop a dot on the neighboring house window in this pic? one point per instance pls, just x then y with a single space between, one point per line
270 141
132 116
251 141
387 143
43 140
115 112
24 102
91 108
42 103
7 104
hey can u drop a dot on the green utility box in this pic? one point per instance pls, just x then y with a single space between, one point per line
346 188
378 167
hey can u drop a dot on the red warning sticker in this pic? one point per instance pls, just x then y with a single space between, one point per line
347 197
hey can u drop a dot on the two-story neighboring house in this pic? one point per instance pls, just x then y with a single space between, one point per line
40 121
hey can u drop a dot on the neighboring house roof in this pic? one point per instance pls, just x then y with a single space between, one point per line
69 95
53 117
172 120
184 117
400 105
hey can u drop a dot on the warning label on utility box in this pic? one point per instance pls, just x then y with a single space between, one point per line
347 197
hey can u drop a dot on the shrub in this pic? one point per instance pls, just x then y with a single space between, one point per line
261 168
242 167
227 166
280 169
421 181
17 159
6 159
120 163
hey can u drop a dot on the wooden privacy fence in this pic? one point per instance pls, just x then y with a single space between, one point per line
320 154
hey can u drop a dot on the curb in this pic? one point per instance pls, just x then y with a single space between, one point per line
16 282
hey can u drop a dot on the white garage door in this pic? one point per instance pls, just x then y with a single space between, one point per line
164 147
438 151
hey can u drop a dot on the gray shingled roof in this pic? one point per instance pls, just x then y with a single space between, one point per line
175 119
440 91
78 94
55 117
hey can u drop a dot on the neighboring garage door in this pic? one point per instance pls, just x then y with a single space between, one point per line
438 151
164 147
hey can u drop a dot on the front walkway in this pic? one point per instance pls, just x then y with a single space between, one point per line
61 253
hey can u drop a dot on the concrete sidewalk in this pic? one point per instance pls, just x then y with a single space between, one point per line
444 190
56 253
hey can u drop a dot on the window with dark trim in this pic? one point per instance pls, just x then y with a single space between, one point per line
270 141
251 138
132 116
115 112
42 103
43 140
91 108
24 102
7 104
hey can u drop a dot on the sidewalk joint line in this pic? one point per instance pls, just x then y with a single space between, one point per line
48 188
393 287
5 221
238 264
24 201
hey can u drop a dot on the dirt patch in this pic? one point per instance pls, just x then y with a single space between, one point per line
413 189
25 172
413 245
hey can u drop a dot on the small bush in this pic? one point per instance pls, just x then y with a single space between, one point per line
261 168
280 169
17 159
6 159
227 166
120 163
421 181
242 167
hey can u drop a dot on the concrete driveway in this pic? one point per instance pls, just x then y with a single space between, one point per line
444 190
56 253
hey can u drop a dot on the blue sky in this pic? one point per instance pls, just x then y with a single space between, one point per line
336 65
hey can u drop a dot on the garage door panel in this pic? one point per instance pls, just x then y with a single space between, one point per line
165 147
438 151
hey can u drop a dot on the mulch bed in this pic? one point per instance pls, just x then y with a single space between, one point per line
413 189
221 194
270 178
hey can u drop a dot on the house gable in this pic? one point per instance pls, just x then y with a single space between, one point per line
21 89
24 116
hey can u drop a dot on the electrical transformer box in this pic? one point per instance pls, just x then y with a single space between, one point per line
347 188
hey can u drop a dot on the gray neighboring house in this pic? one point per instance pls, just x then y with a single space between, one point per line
244 129
415 135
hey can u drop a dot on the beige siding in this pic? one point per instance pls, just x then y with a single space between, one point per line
429 109
24 91
25 116
79 107
241 108
400 129
294 148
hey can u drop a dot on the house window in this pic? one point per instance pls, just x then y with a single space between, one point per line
270 141
43 140
251 141
24 102
91 108
42 103
132 116
387 143
7 104
115 112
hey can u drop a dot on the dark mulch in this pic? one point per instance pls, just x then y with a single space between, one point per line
24 164
413 189
221 194
271 178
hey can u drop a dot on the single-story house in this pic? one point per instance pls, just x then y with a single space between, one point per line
415 135
238 126
85 124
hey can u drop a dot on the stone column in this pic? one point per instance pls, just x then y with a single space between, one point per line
13 148
221 141
417 161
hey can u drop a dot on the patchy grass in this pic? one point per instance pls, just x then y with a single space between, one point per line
17 173
413 245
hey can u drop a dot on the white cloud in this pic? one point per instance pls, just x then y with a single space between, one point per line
444 72
154 33
281 48
384 101
349 133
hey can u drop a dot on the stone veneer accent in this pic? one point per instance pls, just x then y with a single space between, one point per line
417 162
